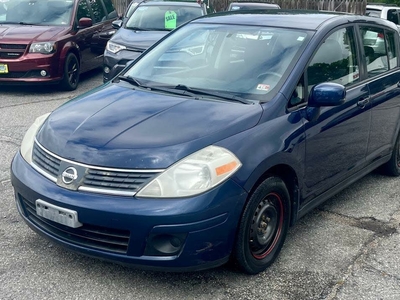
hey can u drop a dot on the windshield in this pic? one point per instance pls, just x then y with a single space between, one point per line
36 12
246 61
162 17
373 13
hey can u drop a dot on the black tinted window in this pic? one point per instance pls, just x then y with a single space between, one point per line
111 12
393 16
83 10
98 11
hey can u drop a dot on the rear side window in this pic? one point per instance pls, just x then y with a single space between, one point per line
393 16
375 49
98 11
111 12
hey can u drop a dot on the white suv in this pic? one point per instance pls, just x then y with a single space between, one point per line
387 12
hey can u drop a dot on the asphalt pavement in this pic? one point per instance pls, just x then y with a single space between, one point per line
347 248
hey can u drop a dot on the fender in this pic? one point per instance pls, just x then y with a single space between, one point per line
66 48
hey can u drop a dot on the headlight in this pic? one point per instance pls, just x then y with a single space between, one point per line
29 138
44 48
195 174
114 48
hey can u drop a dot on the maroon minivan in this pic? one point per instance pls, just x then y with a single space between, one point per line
53 41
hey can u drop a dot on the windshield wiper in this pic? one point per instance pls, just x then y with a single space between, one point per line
213 94
137 28
137 83
131 80
20 23
171 91
158 29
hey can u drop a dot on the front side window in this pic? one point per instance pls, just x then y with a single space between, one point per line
374 43
335 60
247 61
33 12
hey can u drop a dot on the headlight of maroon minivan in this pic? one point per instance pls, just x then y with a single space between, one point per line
43 47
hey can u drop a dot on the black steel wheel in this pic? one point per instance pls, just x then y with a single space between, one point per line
71 72
263 226
392 167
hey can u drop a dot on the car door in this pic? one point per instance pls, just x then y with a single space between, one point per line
103 13
84 37
336 141
88 37
383 82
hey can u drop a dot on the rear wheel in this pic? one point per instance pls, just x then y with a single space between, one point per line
71 73
263 226
392 167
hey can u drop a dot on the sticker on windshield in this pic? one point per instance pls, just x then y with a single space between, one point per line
263 87
142 8
170 20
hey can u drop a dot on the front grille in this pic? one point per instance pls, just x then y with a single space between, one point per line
13 46
122 182
96 237
12 51
45 161
119 181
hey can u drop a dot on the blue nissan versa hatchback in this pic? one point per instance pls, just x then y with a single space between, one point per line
214 142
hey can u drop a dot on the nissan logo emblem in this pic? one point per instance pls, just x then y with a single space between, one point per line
69 175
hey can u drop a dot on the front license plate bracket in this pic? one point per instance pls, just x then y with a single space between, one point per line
57 214
3 69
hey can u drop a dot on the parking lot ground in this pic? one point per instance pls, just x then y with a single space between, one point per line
347 248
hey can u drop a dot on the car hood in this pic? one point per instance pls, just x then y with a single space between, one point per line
116 126
26 33
137 39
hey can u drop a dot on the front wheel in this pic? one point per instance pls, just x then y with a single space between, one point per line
71 73
263 226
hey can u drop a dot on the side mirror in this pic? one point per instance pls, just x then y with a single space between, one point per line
116 24
85 22
327 94
324 94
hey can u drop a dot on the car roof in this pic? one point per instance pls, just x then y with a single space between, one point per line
299 19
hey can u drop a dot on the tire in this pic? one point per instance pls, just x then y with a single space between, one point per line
71 73
392 167
263 226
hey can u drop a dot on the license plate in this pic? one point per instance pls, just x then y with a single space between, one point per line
57 214
3 69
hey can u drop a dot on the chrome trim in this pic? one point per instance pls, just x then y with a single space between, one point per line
105 191
44 173
96 167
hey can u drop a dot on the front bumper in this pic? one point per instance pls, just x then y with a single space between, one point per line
135 231
28 68
116 62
